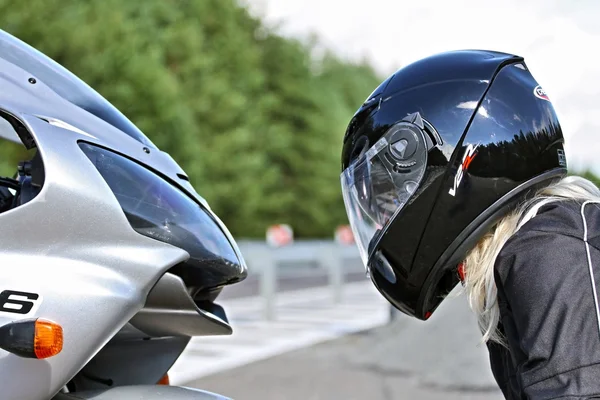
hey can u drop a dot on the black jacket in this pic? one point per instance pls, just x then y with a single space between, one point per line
548 282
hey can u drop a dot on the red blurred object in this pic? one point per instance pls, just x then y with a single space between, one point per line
461 272
344 235
280 235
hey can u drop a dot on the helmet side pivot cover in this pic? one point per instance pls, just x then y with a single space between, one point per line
440 151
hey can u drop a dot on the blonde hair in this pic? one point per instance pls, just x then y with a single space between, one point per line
479 282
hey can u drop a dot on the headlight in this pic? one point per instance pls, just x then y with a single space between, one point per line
158 209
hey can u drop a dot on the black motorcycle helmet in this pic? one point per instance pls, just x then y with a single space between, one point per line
436 155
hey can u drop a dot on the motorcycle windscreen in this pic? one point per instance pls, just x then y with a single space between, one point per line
66 84
157 209
381 181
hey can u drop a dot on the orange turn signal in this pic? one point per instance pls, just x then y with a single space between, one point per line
32 338
164 380
48 339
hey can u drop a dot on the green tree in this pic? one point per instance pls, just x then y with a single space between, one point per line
251 116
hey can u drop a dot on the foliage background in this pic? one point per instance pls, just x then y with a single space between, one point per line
254 119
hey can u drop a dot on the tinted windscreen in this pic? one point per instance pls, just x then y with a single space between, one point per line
65 84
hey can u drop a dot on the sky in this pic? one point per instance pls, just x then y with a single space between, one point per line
559 39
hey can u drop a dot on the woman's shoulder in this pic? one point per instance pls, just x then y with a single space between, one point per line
570 217
554 236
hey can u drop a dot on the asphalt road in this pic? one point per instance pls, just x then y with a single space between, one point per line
407 359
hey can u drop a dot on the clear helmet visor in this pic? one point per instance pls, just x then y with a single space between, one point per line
380 182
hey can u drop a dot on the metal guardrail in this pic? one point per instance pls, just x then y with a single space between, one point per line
334 258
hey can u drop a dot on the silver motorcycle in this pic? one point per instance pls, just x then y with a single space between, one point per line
112 261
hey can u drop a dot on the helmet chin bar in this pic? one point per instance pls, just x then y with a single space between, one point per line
447 264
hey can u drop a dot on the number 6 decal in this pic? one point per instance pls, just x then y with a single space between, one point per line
17 302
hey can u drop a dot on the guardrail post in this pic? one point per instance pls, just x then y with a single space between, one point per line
268 282
393 313
331 259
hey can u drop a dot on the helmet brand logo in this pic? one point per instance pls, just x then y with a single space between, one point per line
562 159
540 93
470 154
